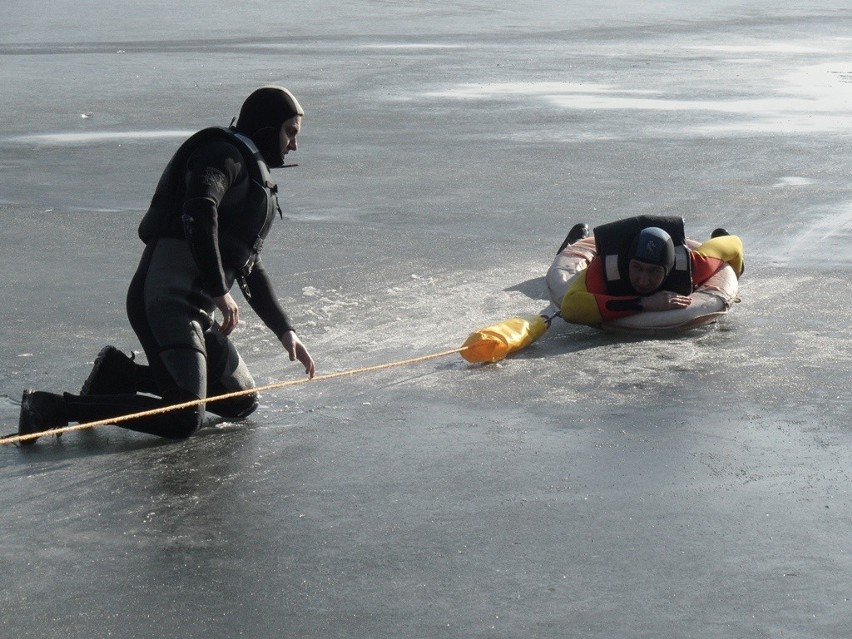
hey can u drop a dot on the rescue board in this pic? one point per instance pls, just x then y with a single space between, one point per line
710 301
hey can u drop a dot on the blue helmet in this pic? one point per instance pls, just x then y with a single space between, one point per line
653 246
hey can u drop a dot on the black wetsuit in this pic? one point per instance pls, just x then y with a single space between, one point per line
201 216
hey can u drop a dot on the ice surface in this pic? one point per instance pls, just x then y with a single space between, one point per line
591 486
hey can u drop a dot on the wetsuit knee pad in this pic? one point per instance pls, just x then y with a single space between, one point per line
186 370
220 351
234 407
225 367
227 373
246 406
185 421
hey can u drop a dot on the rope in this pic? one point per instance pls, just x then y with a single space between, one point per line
196 402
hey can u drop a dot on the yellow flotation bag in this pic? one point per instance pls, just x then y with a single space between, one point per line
493 343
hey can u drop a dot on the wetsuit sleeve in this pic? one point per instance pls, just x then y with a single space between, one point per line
264 302
708 258
586 300
212 170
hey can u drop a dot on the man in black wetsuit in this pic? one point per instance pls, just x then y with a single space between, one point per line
203 232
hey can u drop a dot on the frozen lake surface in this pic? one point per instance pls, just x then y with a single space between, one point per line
592 485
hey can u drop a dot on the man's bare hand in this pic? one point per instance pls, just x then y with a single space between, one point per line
230 313
665 301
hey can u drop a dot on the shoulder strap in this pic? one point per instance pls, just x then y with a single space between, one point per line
258 169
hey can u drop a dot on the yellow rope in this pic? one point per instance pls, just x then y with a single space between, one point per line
196 402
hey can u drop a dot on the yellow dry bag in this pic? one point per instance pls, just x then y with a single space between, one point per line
493 343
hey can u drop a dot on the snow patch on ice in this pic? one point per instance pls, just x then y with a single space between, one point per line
94 137
792 180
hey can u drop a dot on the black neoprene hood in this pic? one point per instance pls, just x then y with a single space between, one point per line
261 117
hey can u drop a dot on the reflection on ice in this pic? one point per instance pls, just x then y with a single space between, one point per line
546 90
93 137
764 47
414 46
813 98
825 239
792 180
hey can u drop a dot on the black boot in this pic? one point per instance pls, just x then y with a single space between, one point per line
113 373
577 232
40 411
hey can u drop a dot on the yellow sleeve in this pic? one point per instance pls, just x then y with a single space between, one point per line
579 306
728 248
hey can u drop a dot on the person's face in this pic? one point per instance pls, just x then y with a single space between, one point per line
289 130
645 278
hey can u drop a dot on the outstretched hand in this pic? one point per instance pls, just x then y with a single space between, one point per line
297 351
665 301
230 313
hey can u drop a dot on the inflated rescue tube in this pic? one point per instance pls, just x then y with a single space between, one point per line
710 301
